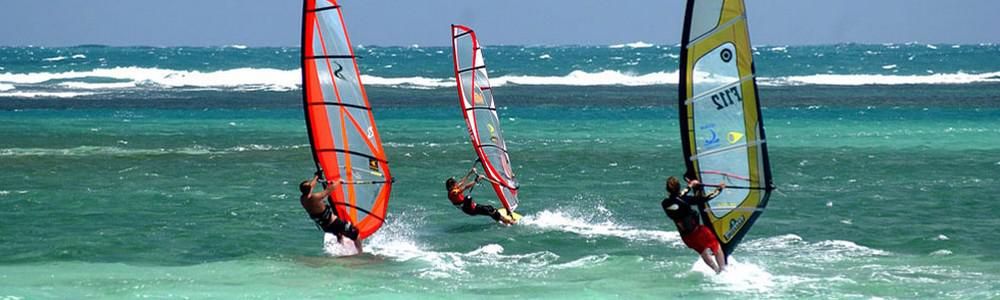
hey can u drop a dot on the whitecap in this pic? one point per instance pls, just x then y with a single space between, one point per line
581 78
791 245
639 44
57 58
878 79
27 94
590 227
272 79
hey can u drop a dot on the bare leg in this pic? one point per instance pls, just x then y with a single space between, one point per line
707 257
357 245
720 258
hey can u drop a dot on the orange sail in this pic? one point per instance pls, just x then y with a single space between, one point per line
345 142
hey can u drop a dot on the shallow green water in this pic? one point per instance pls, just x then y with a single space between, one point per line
111 204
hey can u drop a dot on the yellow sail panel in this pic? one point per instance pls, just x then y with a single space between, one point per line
721 127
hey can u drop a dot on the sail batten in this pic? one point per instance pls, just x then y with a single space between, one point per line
479 109
721 128
344 140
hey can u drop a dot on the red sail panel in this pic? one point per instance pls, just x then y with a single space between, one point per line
345 142
476 98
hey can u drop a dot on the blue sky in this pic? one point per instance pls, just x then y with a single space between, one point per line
526 22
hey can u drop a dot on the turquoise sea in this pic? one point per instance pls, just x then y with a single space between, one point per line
170 173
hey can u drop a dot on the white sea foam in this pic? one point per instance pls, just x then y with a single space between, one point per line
396 241
791 245
97 86
877 79
888 67
591 227
581 78
27 94
342 247
738 277
238 46
78 56
639 44
411 82
272 79
252 79
57 58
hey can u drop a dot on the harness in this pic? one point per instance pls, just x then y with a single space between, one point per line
323 219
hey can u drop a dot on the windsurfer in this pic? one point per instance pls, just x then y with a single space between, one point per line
456 190
322 212
696 236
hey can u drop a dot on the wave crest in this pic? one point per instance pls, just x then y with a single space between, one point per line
82 83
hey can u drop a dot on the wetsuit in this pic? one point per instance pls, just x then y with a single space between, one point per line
695 235
337 227
469 207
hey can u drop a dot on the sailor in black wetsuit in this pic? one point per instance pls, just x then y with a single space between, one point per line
678 207
321 212
456 190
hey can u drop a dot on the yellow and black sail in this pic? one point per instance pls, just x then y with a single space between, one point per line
720 119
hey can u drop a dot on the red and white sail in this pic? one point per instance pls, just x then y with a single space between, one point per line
476 98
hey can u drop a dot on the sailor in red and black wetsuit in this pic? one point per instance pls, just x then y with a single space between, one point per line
321 212
456 190
696 236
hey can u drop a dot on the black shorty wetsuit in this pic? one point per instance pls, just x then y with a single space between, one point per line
469 207
678 209
337 227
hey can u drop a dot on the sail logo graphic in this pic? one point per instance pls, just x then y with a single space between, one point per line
337 72
726 55
713 140
734 226
734 137
493 136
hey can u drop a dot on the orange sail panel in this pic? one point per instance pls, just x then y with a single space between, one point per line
480 113
345 142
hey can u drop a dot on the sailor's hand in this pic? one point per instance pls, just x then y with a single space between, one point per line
694 183
318 173
480 177
722 185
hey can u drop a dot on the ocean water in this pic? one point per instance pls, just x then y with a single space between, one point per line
170 173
